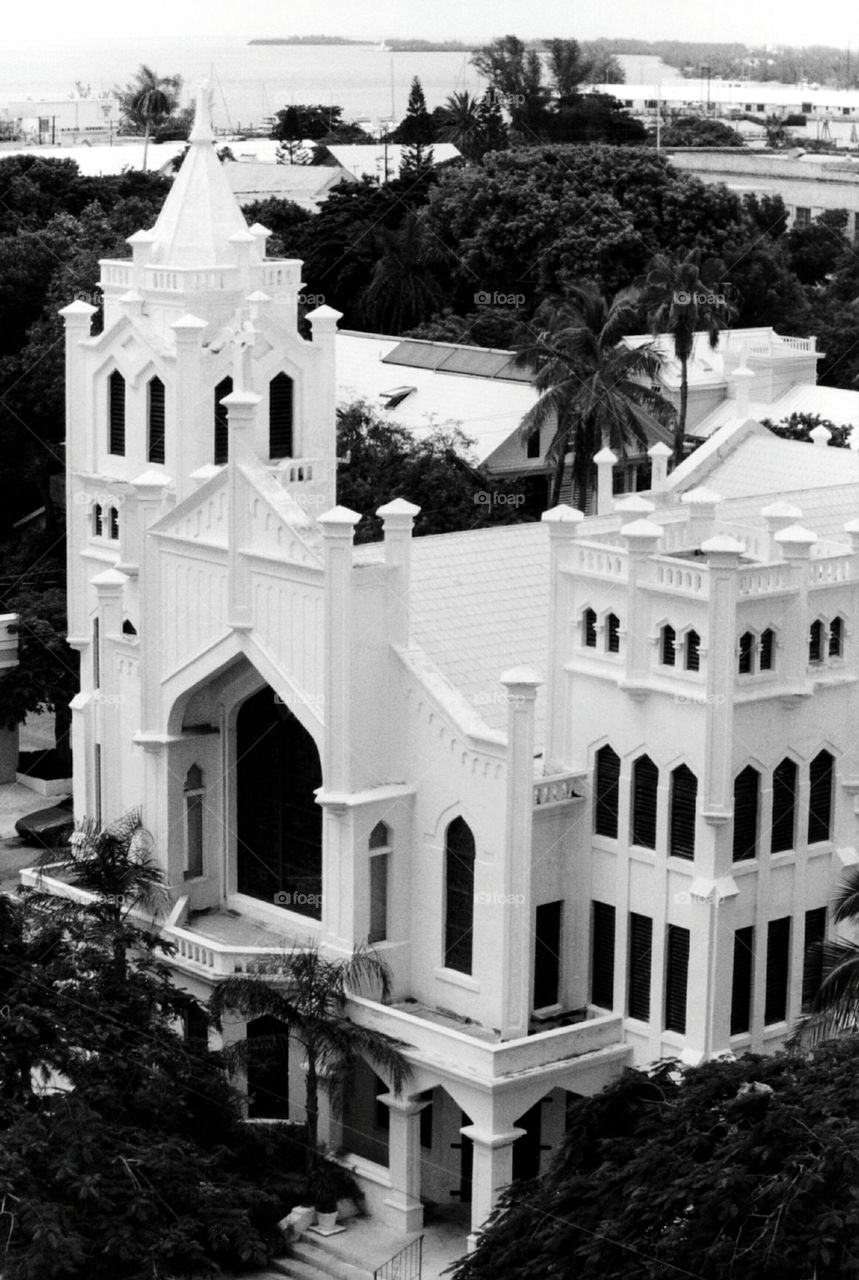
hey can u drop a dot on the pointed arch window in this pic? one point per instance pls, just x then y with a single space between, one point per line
747 653
684 797
589 629
767 650
379 846
193 792
667 646
836 637
116 413
645 780
113 523
784 807
820 777
693 651
815 641
612 627
222 438
280 400
155 420
97 521
746 796
606 792
459 897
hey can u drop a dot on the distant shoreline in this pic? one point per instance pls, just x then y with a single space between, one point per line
387 46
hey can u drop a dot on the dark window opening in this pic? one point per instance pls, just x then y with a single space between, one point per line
767 653
836 633
747 649
784 806
589 628
746 793
741 982
645 780
812 955
676 978
128 628
547 954
378 898
97 521
693 651
280 395
221 417
815 641
268 1069
156 420
612 624
113 523
640 958
116 413
459 897
602 955
820 776
668 647
778 970
533 447
606 792
684 796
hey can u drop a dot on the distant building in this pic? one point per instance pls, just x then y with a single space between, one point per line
382 160
99 161
308 186
59 121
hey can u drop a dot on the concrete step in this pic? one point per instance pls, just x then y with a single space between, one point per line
328 1258
298 1269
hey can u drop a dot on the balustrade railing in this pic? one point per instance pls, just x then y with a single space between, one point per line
405 1265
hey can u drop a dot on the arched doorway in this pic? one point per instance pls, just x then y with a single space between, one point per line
279 845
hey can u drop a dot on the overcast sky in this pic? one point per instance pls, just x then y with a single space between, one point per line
788 22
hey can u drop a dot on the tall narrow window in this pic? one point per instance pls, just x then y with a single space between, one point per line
602 955
97 521
640 959
280 417
778 970
155 423
222 438
747 650
812 955
746 793
766 661
645 780
836 637
113 523
784 807
684 796
589 629
116 413
96 654
815 641
378 931
612 633
693 651
459 897
741 982
193 792
547 954
667 647
533 447
676 978
820 797
606 791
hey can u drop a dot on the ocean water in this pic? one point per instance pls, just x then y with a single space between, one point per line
253 81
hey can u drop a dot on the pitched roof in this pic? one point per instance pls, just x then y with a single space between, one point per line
367 160
305 185
838 404
763 464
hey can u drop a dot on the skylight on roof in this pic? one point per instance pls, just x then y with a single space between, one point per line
395 396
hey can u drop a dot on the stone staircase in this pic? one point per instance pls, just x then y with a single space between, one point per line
314 1257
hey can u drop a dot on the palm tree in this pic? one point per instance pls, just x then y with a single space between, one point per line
683 296
595 390
149 99
463 124
310 1000
116 864
835 1006
404 290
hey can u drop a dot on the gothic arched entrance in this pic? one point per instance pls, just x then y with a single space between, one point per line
279 845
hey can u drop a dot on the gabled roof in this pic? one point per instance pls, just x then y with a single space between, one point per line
838 404
305 185
757 462
367 160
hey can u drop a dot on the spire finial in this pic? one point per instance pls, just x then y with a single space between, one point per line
202 130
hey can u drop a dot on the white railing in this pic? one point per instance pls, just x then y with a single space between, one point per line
608 562
191 279
830 569
558 789
118 274
673 575
769 579
222 959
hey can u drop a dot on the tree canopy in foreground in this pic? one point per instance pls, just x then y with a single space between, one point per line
733 1170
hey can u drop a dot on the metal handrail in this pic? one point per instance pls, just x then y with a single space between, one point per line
404 1265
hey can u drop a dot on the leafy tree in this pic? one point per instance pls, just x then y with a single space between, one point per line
816 250
798 426
302 123
148 101
592 117
733 1170
835 1007
287 222
310 1001
461 123
595 391
416 128
515 73
378 460
683 296
698 132
46 678
768 213
493 131
406 287
568 67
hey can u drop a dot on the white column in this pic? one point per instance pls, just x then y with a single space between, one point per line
405 1210
723 558
562 523
659 454
398 518
109 587
338 530
742 378
190 430
820 436
605 461
241 409
642 539
796 543
150 490
323 323
492 1171
77 319
515 906
701 505
778 516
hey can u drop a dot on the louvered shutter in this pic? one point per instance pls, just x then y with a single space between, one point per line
640 953
645 779
820 798
815 641
116 412
222 438
778 970
676 978
668 653
606 792
767 650
784 806
602 955
741 982
747 646
746 791
836 628
693 651
812 957
613 636
589 622
156 420
280 417
684 794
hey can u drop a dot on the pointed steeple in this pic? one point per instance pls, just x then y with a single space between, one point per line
201 212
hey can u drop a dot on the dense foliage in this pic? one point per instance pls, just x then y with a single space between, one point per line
733 1170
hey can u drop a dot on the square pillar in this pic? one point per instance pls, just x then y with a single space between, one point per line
492 1171
605 461
404 1209
562 523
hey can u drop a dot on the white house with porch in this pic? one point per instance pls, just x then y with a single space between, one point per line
586 785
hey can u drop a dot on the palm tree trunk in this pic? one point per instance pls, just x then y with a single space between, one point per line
311 1084
145 144
680 432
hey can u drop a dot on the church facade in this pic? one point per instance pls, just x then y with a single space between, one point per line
586 785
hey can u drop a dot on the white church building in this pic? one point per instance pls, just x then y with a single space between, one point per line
586 785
